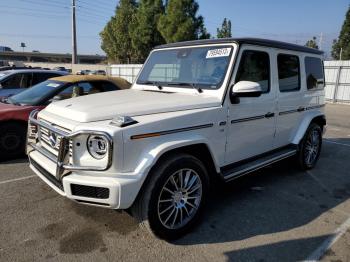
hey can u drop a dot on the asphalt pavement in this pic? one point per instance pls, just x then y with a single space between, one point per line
276 214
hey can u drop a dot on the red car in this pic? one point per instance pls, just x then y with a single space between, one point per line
15 110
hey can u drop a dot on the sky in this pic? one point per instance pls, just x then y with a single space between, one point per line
45 25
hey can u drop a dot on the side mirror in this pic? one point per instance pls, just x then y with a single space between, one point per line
246 89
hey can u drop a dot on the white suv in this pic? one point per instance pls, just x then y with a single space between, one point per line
198 110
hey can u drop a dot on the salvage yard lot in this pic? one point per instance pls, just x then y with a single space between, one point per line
276 214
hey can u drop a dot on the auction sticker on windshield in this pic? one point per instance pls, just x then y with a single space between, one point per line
218 52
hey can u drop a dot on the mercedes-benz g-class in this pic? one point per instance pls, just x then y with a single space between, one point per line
198 111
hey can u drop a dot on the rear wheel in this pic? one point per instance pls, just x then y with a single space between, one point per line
173 198
310 147
12 140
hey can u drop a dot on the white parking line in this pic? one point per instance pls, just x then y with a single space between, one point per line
16 179
329 242
337 143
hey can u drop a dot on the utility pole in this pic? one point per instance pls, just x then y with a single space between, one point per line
74 35
321 40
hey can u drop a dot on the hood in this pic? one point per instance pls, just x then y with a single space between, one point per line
130 102
9 111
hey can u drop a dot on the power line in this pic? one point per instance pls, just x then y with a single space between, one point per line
29 9
59 17
44 36
94 4
46 3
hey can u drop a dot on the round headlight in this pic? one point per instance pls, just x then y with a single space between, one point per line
97 146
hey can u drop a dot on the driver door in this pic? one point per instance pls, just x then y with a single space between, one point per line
251 121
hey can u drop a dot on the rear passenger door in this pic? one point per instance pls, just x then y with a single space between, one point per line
251 124
41 77
290 96
15 83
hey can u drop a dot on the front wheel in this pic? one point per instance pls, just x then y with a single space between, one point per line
12 140
310 147
173 198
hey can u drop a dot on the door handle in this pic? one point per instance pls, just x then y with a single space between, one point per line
269 115
301 109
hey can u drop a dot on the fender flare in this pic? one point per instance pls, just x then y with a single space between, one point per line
156 151
308 118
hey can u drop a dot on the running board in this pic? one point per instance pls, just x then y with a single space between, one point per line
239 170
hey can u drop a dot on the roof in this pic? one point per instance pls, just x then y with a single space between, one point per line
251 41
120 82
14 71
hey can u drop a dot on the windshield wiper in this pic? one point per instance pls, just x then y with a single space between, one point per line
10 101
4 100
154 83
194 86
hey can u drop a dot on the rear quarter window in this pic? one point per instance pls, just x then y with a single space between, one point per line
288 72
41 77
314 73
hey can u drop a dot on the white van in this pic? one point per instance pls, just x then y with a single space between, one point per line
199 110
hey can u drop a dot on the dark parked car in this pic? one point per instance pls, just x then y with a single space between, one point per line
15 110
15 81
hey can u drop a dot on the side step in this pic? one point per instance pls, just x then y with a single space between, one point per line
241 168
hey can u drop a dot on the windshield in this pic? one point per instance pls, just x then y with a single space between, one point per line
204 67
37 93
3 75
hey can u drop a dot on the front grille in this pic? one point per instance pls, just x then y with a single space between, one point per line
45 140
50 140
46 174
90 191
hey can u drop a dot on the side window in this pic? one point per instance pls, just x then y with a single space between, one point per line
288 72
17 81
85 86
75 90
41 77
255 67
314 73
105 86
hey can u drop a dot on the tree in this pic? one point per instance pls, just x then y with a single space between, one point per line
312 43
336 50
180 22
225 30
116 39
144 33
343 41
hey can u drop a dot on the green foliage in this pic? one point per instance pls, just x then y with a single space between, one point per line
180 22
137 27
312 43
343 42
144 34
336 50
225 30
116 40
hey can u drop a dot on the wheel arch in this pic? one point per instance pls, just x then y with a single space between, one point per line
198 149
14 121
312 117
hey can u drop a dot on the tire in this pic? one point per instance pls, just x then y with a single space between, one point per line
12 140
172 215
310 147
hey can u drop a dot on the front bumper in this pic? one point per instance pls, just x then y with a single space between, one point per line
116 191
